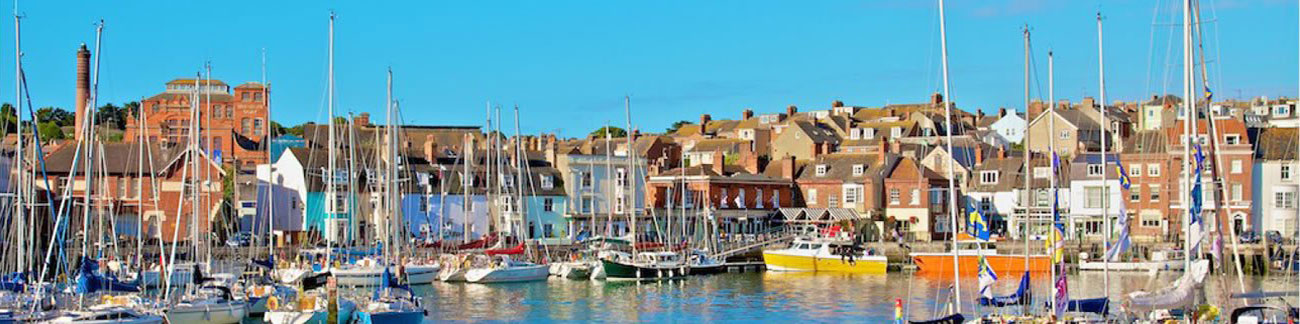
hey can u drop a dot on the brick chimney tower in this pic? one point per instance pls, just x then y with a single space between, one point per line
83 88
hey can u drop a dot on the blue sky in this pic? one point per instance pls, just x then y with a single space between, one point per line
568 64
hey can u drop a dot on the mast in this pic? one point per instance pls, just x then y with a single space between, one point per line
330 191
390 171
207 172
1051 126
627 204
1026 174
1188 121
609 195
952 196
519 183
1105 137
270 188
18 97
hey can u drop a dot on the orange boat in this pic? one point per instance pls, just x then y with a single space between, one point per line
968 257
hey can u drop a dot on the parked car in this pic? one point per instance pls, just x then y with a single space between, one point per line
239 240
1249 237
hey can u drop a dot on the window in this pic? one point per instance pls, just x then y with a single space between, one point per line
851 195
507 180
1095 170
894 196
812 196
243 96
896 132
247 124
1236 192
1284 200
257 96
1065 135
986 204
508 203
618 204
1041 172
988 177
548 181
586 179
339 204
1155 192
1094 196
257 127
1232 139
587 205
1150 220
1135 194
858 169
1153 170
1043 198
821 170
916 197
1135 170
621 179
548 205
423 204
869 133
1236 166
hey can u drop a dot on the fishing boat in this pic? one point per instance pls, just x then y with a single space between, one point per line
701 263
645 266
940 263
1166 260
824 255
507 269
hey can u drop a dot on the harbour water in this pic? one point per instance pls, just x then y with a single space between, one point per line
769 296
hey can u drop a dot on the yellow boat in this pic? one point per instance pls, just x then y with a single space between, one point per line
824 255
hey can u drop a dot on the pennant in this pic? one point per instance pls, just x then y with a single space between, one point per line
1195 208
976 225
1122 242
987 278
1209 95
1123 176
1062 294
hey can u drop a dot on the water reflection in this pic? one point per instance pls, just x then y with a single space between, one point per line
778 296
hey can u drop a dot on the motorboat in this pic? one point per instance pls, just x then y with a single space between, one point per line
646 266
825 255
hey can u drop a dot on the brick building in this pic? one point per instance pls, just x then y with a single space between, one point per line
233 121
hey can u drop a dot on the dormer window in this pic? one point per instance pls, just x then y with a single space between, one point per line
988 177
1095 170
858 169
1232 139
896 132
855 134
1041 172
821 170
869 133
548 182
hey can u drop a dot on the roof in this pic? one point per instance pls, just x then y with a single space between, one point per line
1276 144
1010 172
1146 141
116 158
169 96
191 81
816 133
718 144
839 166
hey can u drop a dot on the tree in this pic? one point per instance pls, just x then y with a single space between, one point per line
56 115
131 109
677 125
613 132
50 131
278 129
111 115
296 130
8 121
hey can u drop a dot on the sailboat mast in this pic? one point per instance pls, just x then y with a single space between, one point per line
329 175
952 184
391 171
1026 173
628 205
21 216
270 184
1105 137
1188 121
1051 126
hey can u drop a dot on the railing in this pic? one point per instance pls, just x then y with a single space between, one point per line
734 244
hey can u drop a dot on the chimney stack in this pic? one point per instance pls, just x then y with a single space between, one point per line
83 88
1002 112
704 121
430 149
980 116
837 104
362 119
936 99
1002 152
748 159
787 169
1088 102
719 161
746 114
791 110
979 153
882 149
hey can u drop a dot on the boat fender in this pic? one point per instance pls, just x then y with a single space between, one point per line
207 313
272 303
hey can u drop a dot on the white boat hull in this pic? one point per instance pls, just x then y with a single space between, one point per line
571 270
1132 266
452 275
152 278
508 274
295 317
362 277
421 274
229 313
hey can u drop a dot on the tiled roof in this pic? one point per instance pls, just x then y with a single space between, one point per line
1147 141
1276 144
839 166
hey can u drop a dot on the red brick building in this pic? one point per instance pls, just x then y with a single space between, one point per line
917 197
1237 159
720 186
233 123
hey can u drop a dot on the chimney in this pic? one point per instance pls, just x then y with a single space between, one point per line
362 119
895 147
636 134
719 161
704 121
1063 104
936 99
1002 152
83 87
1002 112
979 117
892 113
748 159
787 169
1088 102
979 154
1036 107
837 104
746 114
882 149
791 110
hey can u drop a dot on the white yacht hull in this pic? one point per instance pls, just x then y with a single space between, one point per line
508 274
1146 266
228 313
152 278
295 317
421 274
453 275
360 277
571 270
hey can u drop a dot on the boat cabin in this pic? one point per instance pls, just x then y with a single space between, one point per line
662 258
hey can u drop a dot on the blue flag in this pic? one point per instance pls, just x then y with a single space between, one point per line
976 224
1124 181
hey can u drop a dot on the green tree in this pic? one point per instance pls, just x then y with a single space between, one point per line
131 109
613 132
296 130
111 115
8 120
50 131
677 125
277 129
56 115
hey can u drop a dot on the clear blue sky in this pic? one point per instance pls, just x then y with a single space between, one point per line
568 64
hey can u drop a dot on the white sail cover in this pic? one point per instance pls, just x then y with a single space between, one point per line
1178 295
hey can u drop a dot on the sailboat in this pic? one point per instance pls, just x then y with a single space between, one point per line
505 268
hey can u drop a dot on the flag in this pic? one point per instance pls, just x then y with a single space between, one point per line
987 278
976 225
740 198
1123 176
1056 243
1194 210
1062 294
1209 95
1122 242
723 201
898 311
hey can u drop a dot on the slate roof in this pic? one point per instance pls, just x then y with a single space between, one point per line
116 159
1146 141
1276 144
839 166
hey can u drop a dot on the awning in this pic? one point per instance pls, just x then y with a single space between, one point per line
843 214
